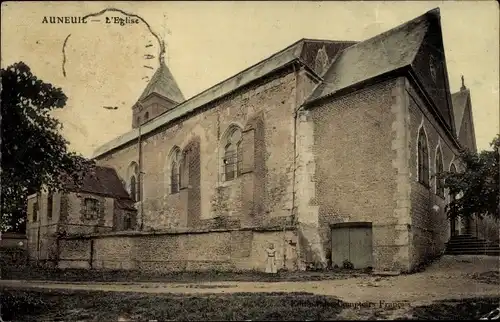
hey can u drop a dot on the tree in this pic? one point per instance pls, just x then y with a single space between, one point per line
33 152
476 189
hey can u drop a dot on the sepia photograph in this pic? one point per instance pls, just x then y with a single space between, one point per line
250 160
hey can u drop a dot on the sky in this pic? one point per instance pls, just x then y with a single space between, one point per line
208 42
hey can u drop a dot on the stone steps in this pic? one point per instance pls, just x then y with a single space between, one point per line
469 245
489 252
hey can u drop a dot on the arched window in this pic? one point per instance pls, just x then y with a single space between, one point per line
146 116
175 163
134 182
423 158
439 171
232 154
133 188
138 120
50 201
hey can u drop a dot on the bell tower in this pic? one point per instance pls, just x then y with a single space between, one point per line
160 95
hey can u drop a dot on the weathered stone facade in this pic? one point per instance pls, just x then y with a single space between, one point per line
73 213
177 251
315 136
265 115
355 179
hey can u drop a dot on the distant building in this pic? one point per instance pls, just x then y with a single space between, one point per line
327 149
101 204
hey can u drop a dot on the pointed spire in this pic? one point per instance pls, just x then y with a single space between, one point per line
163 83
463 88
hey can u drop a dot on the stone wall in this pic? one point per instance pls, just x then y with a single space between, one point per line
354 175
73 218
153 106
67 216
264 191
187 251
41 233
74 253
430 225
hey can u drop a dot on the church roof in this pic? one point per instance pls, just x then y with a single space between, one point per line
298 51
163 83
459 101
386 52
102 181
353 64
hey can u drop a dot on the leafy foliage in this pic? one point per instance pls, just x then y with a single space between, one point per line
34 153
476 189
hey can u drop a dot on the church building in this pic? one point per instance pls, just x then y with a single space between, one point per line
327 150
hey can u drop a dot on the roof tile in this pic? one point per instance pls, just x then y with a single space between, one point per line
163 83
103 181
388 51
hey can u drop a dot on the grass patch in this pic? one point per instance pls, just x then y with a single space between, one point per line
84 275
463 309
109 306
45 305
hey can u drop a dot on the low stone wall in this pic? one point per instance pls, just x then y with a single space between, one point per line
75 253
228 249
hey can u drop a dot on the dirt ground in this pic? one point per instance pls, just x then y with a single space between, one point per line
451 277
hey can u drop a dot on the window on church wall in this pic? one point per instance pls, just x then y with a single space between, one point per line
230 161
35 211
127 222
133 188
174 178
49 206
175 172
232 155
184 170
146 116
423 159
91 208
439 170
134 180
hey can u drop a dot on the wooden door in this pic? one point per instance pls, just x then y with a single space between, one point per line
352 242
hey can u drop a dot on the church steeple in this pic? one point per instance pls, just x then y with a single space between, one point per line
164 84
160 95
